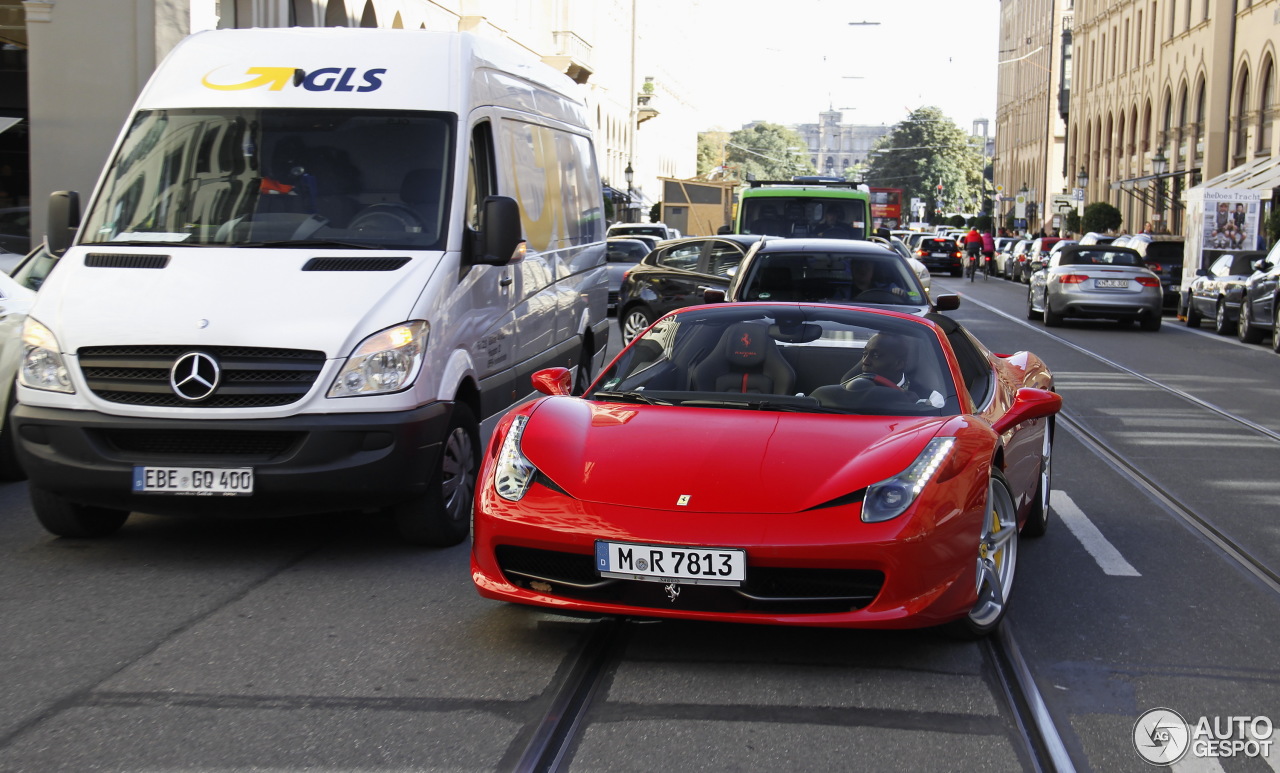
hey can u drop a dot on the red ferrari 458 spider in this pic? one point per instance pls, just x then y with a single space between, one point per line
795 464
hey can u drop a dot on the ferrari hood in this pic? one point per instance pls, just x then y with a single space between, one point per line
713 459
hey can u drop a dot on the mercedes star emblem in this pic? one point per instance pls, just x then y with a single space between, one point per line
195 376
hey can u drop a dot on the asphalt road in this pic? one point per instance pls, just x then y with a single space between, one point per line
324 645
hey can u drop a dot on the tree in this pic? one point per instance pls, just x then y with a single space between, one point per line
1101 217
767 151
711 152
925 151
1273 226
1071 221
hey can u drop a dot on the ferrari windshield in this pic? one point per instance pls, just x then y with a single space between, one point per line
284 177
785 358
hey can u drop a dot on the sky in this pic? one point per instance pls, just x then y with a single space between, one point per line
784 62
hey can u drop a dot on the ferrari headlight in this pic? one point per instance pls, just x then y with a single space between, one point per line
513 473
387 361
42 365
890 498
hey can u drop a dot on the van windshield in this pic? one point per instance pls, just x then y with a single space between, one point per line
798 216
280 177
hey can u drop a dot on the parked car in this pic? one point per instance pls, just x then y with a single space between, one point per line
1037 257
1093 237
755 463
1009 263
1217 292
1260 309
16 294
15 230
1093 281
621 253
1163 255
940 254
658 230
678 273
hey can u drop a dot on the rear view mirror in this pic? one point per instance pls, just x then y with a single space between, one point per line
1028 404
63 220
553 381
948 302
499 240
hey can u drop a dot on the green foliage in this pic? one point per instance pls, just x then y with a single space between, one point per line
711 151
925 150
1071 221
1101 217
1010 221
982 222
655 213
1273 226
956 221
767 151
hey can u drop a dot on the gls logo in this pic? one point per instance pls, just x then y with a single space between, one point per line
323 79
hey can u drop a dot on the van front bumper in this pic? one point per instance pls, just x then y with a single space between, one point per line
312 463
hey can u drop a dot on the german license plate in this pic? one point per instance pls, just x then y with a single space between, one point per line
664 563
940 255
1112 283
194 481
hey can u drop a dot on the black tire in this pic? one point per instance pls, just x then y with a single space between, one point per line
633 321
997 562
1221 325
1150 324
957 271
1031 311
582 374
10 467
442 516
1051 317
70 519
1275 326
1038 516
1245 331
1194 317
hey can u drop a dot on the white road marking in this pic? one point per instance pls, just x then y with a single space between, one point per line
1108 558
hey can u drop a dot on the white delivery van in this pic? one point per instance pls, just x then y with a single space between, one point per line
315 262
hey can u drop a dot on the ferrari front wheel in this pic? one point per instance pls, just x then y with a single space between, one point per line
996 563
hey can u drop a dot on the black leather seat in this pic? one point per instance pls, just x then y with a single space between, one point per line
746 360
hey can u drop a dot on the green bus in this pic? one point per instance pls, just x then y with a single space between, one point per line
803 208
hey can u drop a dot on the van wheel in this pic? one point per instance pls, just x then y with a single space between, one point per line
70 519
442 516
582 375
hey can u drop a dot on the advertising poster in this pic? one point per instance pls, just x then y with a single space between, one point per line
1230 223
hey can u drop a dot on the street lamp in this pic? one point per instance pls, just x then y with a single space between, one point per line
1159 165
630 174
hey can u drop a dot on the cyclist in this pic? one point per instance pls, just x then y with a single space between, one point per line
988 252
973 248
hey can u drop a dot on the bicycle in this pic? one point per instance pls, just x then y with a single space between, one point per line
972 268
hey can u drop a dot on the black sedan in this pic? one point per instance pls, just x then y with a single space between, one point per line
676 274
1260 306
1217 292
622 253
940 254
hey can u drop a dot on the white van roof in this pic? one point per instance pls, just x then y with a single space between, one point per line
343 67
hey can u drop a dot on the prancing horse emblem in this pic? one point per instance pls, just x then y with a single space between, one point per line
683 500
672 590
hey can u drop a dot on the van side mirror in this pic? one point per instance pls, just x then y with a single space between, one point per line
63 220
499 240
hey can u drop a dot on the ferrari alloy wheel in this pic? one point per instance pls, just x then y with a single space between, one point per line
1038 516
634 322
1246 332
442 516
997 561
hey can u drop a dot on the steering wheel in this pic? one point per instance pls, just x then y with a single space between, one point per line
387 216
877 295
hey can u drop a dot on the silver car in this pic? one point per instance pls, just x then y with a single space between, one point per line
1096 281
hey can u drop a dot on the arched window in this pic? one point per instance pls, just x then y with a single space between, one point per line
1200 121
1166 126
301 14
369 17
1241 117
335 14
1181 138
1266 106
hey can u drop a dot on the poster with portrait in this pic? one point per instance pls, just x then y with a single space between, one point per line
1230 220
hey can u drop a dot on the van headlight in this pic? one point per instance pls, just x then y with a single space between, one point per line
387 361
42 364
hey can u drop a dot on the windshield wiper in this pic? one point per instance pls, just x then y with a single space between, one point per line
635 397
760 405
316 243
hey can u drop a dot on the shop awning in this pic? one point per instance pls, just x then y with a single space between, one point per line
1260 174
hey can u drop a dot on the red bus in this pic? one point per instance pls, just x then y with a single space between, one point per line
886 208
